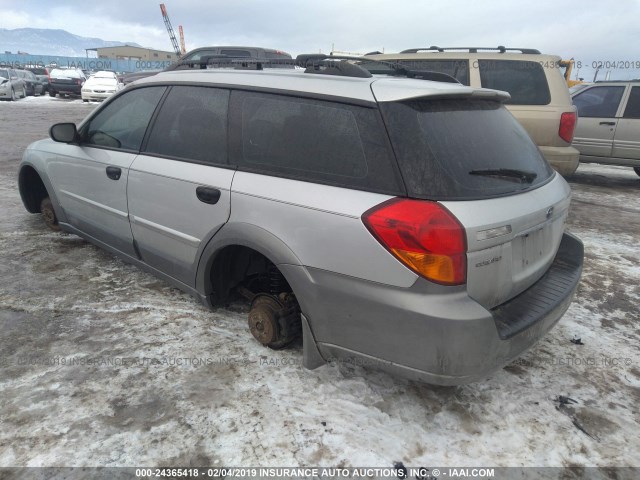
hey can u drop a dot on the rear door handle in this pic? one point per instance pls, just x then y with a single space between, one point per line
208 195
608 123
114 173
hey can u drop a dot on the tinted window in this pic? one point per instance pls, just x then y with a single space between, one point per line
123 122
313 140
633 104
525 81
598 101
439 143
192 124
236 53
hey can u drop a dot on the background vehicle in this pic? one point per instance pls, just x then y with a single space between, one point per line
608 128
343 189
539 97
197 58
12 87
100 85
33 85
42 73
66 81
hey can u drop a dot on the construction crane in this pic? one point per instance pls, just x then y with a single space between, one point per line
181 33
172 35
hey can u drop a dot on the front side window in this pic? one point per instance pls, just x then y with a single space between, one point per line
123 122
525 81
192 124
600 101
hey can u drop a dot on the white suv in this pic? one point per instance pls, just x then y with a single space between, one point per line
539 95
403 223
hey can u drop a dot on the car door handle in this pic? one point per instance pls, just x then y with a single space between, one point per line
208 195
608 123
114 173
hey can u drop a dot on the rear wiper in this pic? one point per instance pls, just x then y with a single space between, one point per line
507 173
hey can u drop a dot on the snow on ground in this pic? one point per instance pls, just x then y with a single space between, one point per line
159 380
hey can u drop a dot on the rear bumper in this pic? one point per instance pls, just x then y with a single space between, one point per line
427 332
564 160
64 88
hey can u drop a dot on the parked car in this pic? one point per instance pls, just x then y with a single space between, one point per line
401 223
608 128
33 86
539 96
197 58
42 73
12 87
67 81
100 86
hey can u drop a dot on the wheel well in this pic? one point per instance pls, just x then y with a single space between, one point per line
32 189
239 266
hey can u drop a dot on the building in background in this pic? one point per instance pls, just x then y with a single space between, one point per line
127 52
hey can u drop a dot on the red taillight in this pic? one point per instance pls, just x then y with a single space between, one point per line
423 235
567 126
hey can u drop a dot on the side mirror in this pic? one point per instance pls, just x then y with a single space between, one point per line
64 132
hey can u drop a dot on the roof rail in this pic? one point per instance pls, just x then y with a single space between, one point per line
500 49
232 61
342 65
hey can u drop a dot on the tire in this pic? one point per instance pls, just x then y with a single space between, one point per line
637 170
49 214
87 101
52 93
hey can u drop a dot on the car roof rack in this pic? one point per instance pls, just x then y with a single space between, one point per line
232 61
320 63
499 48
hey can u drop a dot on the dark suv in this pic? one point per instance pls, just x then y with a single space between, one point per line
200 57
66 81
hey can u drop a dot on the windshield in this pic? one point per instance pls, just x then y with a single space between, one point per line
459 149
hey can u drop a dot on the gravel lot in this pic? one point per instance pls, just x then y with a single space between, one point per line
104 365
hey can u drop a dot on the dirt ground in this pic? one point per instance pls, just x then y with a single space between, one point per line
104 365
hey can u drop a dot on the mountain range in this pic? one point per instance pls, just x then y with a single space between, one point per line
43 41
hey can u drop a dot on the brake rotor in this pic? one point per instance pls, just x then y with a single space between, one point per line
263 319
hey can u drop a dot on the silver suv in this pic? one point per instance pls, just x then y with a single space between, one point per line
608 129
539 100
408 224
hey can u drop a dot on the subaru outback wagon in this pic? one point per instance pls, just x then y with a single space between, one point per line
407 224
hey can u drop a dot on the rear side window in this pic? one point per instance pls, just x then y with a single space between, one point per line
462 149
458 69
312 140
633 104
599 101
192 124
123 122
525 81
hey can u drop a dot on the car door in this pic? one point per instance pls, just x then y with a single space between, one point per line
90 178
626 142
597 119
179 186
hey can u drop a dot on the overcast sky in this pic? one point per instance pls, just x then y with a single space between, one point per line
587 30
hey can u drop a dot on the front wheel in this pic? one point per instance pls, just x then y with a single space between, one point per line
637 170
52 93
49 214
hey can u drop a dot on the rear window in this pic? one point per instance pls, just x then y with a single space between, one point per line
60 73
525 81
448 149
39 71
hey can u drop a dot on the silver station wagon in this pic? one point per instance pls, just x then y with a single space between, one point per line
403 223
